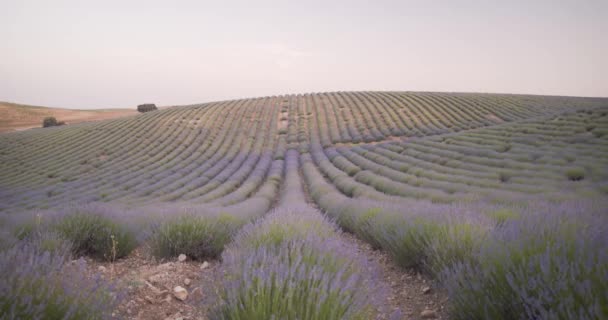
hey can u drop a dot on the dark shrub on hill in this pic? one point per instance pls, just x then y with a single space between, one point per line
51 122
575 174
146 107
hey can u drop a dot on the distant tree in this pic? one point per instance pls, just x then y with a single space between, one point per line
51 122
146 107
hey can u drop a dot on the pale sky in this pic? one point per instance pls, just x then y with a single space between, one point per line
99 54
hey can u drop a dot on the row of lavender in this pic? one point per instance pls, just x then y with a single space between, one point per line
39 281
201 157
539 260
356 117
292 265
549 156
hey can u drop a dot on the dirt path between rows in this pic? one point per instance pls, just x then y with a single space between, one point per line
410 292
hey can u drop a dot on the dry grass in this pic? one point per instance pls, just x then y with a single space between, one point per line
15 117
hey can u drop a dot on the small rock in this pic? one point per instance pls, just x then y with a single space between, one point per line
428 314
149 299
426 290
102 269
180 293
181 258
205 265
187 282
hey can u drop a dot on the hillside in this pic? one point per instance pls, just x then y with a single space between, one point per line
15 117
342 205
370 144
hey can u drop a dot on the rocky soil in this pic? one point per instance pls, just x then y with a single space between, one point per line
182 289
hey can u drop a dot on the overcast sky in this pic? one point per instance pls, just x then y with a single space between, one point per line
98 54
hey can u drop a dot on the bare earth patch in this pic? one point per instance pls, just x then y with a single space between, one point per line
149 286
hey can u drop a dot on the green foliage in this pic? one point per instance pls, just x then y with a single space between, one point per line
575 174
290 265
452 244
40 284
503 148
532 270
407 239
196 236
276 232
95 235
502 215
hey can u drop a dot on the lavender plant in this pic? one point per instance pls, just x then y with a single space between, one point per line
98 231
284 225
541 266
38 284
292 266
92 229
198 236
297 279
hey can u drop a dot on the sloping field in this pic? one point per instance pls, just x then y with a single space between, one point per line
453 185
15 117
222 153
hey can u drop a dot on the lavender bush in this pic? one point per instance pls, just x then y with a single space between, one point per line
38 284
427 237
291 265
97 231
282 226
541 266
197 235
100 231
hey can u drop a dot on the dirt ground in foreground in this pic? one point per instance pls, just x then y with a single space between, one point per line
149 286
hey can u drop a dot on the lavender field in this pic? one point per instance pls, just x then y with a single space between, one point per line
500 201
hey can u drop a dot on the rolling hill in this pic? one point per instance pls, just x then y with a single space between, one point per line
435 146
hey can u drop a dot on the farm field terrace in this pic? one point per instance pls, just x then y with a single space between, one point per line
303 203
